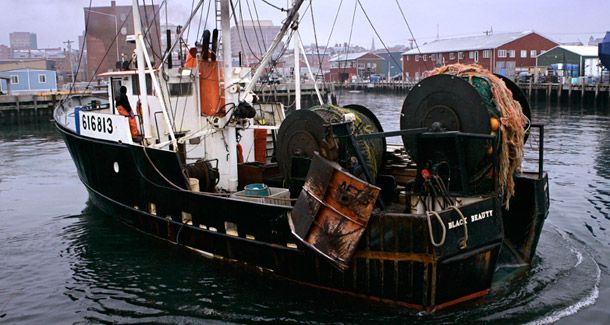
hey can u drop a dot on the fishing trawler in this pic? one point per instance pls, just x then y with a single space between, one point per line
316 196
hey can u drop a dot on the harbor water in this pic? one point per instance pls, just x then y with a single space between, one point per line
63 261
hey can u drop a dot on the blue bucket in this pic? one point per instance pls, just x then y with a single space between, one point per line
257 189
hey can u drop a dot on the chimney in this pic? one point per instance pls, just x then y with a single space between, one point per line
113 3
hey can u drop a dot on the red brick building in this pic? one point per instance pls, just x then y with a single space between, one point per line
360 65
103 23
506 54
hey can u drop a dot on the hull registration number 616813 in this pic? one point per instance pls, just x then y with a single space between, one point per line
104 126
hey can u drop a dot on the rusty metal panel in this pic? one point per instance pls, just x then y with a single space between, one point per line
337 209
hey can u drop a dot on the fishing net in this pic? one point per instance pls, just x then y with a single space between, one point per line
512 119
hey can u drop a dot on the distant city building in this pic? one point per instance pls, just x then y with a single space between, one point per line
256 38
23 41
107 29
29 81
5 52
354 66
506 54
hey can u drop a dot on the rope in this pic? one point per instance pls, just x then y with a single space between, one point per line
512 120
411 32
438 217
463 242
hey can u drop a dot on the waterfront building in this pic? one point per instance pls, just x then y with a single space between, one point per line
507 54
354 66
28 81
570 61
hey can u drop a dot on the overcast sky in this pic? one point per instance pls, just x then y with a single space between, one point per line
54 21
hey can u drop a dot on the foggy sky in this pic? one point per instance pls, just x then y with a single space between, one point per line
55 21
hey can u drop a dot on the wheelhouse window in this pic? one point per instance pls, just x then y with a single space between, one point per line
14 79
42 78
135 85
180 89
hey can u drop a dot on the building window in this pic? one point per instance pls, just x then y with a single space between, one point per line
501 53
374 65
471 55
452 56
417 58
532 53
124 31
476 56
407 56
511 53
14 79
42 78
425 57
524 53
486 54
123 17
432 57
460 55
334 65
361 65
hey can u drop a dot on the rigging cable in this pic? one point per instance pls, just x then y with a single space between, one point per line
106 54
411 32
315 34
378 36
241 18
254 28
80 59
348 42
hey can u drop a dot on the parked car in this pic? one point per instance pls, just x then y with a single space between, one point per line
271 78
524 77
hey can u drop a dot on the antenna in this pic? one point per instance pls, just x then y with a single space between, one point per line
69 42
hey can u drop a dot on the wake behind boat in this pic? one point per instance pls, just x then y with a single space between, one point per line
316 196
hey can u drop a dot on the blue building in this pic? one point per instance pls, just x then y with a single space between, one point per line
27 81
392 63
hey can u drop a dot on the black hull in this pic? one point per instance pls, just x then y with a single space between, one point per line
394 262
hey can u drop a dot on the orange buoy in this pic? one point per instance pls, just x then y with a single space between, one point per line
495 124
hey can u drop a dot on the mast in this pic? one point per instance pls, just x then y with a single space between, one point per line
230 172
141 74
297 70
144 59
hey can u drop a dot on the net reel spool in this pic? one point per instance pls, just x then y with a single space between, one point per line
304 132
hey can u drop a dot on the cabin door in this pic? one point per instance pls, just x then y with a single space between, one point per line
115 84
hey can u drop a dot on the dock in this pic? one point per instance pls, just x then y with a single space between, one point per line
27 108
570 92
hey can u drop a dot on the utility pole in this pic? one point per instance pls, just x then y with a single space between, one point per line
69 42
